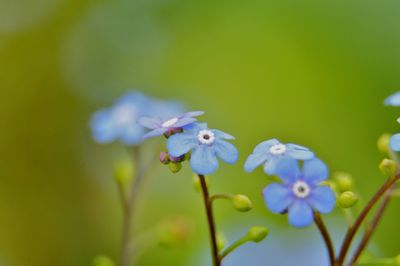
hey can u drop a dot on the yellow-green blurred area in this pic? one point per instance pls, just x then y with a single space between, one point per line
309 72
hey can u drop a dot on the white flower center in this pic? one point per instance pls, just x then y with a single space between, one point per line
170 122
301 189
125 114
206 136
278 149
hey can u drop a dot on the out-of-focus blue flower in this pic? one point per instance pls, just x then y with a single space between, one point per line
272 151
393 100
205 146
300 193
395 142
159 126
119 122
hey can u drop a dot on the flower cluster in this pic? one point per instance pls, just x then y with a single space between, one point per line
300 194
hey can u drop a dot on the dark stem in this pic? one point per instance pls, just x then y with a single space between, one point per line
210 220
351 232
372 227
326 236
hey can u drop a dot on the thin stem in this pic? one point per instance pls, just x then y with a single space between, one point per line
234 246
220 196
372 227
351 232
326 236
210 220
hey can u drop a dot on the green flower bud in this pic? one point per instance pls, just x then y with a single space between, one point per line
383 143
174 232
347 199
397 260
175 167
102 260
388 167
123 172
197 184
257 233
221 241
242 203
344 181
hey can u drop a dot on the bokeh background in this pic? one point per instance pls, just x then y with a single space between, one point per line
309 72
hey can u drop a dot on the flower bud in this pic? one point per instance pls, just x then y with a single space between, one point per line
197 184
242 203
174 231
397 260
388 167
383 143
102 260
164 157
344 181
177 159
221 241
257 233
347 199
123 172
175 167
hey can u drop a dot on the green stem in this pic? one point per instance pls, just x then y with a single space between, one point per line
234 246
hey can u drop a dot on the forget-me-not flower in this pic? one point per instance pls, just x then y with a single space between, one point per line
272 151
393 100
205 145
300 193
395 142
119 122
159 126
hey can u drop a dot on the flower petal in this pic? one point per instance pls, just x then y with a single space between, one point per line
393 100
277 197
222 135
193 113
155 133
203 160
299 152
314 171
102 127
180 144
132 134
300 214
226 151
264 146
185 121
395 142
287 169
322 199
254 160
149 122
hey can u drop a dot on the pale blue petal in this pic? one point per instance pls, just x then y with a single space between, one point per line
299 152
132 134
226 151
203 160
265 146
221 134
194 113
254 160
155 133
395 142
196 127
180 144
102 127
300 214
314 171
393 100
184 122
270 165
322 199
287 169
149 122
277 197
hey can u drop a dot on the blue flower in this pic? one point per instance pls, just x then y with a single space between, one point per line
270 152
159 126
119 122
205 146
395 142
300 194
393 100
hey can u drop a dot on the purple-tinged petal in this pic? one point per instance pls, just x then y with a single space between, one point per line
265 146
277 197
203 160
180 144
155 133
221 134
395 142
287 169
184 122
226 151
149 122
322 199
300 214
314 171
254 160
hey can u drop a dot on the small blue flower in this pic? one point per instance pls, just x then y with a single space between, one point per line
205 146
120 120
393 100
300 194
159 126
395 142
272 151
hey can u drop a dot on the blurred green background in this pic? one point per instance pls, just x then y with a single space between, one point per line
309 72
